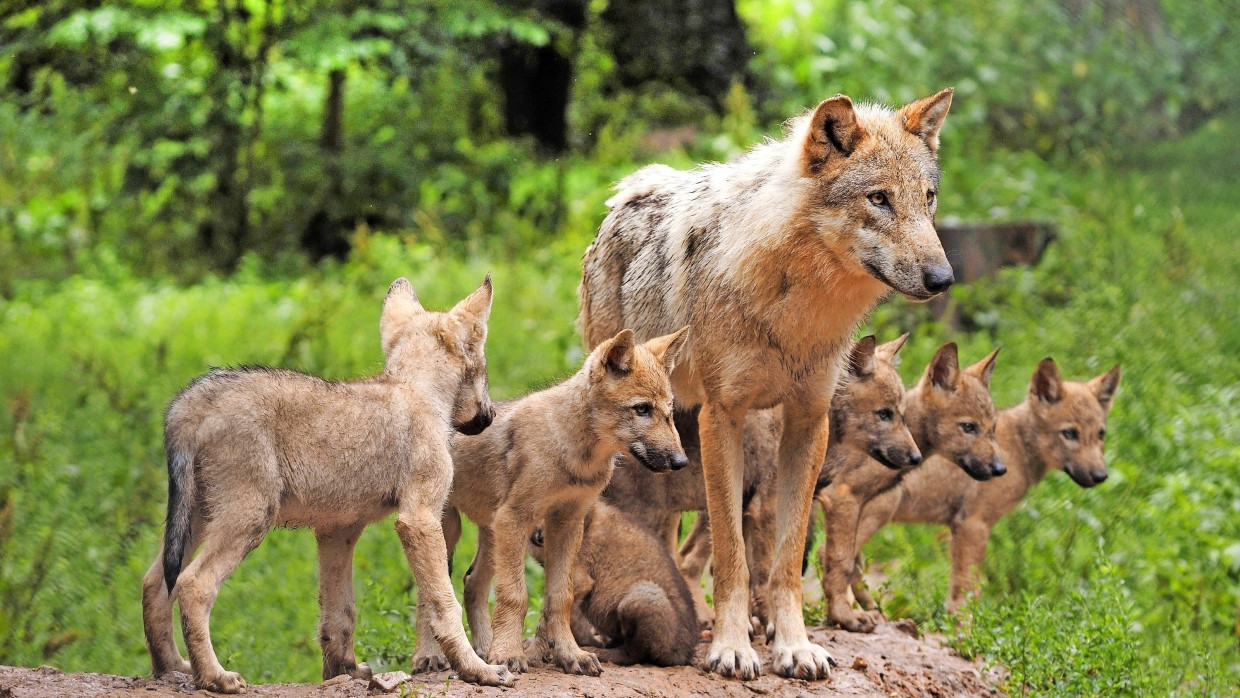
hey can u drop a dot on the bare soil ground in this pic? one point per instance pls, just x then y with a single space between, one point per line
887 663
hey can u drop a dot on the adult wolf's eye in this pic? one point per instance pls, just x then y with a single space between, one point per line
642 409
930 197
877 198
885 414
1070 434
968 427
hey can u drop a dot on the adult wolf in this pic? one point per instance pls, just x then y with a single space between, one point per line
258 447
774 259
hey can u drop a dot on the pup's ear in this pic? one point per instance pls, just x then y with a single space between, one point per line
399 307
833 130
890 352
861 358
985 368
615 356
944 369
477 305
666 349
1046 384
924 117
1104 387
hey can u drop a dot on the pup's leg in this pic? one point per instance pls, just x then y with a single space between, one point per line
451 532
509 532
694 555
337 613
427 654
801 451
670 532
228 538
968 549
839 552
421 535
759 527
723 466
875 514
478 592
562 533
157 621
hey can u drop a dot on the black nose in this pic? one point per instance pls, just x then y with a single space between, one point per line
1099 476
478 424
915 458
680 460
938 279
997 468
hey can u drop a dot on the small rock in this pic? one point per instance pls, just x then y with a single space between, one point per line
859 664
908 626
48 669
337 679
388 681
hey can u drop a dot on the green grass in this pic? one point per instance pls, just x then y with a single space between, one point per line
1132 587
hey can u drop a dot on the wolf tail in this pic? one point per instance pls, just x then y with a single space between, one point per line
180 497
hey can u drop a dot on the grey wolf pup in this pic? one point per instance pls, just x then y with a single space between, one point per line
774 259
1061 425
545 459
253 448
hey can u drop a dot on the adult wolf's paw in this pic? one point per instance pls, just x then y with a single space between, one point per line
227 682
803 661
181 664
579 662
430 662
734 662
489 675
516 663
853 621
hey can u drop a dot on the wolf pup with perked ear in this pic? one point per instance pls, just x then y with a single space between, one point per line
1061 425
630 599
949 412
774 259
251 448
546 458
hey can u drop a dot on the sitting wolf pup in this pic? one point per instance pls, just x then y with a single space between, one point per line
546 458
1061 425
630 599
253 448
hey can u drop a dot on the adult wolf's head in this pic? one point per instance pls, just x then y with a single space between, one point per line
876 180
951 413
867 411
442 351
1071 421
631 396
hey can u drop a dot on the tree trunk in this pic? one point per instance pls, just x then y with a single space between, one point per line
324 234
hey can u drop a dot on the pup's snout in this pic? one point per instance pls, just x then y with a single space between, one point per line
938 279
914 457
1099 476
680 460
479 423
997 468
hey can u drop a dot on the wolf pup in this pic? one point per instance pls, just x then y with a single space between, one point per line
774 259
252 448
1060 426
949 412
630 599
546 458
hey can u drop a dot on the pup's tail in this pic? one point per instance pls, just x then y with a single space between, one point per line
180 497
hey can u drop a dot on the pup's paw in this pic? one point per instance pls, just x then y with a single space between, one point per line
739 661
179 664
227 682
853 621
489 675
428 662
806 661
579 662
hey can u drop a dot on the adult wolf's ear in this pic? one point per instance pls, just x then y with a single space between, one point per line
1046 384
666 349
924 117
1104 387
890 352
861 358
399 307
985 368
944 369
615 356
833 130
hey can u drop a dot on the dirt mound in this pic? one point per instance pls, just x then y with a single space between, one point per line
886 663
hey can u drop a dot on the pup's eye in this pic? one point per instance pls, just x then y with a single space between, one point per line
968 427
885 414
877 198
1070 434
1102 434
930 197
642 409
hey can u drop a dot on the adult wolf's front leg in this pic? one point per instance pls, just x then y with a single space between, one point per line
723 466
801 452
